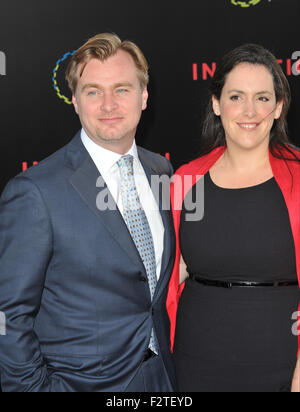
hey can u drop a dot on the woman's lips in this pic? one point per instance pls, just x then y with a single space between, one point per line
248 126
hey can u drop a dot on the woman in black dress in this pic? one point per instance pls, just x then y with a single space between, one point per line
236 316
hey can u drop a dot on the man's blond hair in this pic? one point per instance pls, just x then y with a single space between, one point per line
102 47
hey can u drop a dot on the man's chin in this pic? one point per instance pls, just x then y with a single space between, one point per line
111 140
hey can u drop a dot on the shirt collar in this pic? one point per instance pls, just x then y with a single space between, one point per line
105 157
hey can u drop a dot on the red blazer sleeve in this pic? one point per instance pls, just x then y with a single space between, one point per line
175 291
183 181
287 175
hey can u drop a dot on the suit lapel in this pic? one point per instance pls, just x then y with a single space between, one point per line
84 180
162 197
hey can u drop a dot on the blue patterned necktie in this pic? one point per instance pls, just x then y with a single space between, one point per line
138 226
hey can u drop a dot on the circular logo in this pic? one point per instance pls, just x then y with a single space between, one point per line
245 3
54 77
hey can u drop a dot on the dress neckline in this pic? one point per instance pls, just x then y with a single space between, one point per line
240 188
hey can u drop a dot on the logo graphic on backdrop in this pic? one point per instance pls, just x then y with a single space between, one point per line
54 77
2 64
245 3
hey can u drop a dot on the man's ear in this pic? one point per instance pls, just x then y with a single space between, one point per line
74 101
145 96
216 106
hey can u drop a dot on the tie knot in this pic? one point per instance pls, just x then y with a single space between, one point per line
126 164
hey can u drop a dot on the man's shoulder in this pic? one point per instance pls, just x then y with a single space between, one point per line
48 167
52 166
48 176
37 177
156 161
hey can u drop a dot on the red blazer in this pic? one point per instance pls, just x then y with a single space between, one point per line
287 175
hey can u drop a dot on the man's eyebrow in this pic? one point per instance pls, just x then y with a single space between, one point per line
98 86
90 85
123 84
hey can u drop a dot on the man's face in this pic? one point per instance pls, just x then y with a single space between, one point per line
109 101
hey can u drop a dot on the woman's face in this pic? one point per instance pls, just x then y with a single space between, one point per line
248 106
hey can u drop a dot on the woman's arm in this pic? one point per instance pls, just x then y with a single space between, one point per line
182 271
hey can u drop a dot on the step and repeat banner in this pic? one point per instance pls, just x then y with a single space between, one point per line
183 42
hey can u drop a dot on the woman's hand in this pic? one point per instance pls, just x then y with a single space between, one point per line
296 380
183 271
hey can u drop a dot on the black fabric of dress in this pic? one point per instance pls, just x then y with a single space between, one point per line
240 339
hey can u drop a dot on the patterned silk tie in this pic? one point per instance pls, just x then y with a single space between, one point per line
138 226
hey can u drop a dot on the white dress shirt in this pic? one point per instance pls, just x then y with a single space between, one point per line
106 162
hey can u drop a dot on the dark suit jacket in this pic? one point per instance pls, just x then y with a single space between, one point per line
72 284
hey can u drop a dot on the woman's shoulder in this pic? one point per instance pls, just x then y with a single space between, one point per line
295 150
202 164
288 152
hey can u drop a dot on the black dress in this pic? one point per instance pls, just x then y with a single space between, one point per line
239 339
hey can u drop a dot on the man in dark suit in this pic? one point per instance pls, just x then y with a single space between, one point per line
86 248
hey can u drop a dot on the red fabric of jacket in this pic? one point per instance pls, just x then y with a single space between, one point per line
287 175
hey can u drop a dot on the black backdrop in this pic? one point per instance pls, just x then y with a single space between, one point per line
175 36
